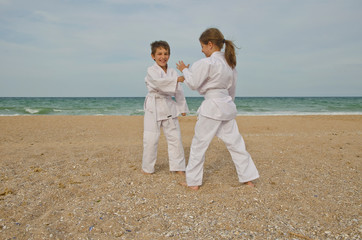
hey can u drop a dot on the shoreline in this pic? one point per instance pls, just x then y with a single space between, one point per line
239 115
78 176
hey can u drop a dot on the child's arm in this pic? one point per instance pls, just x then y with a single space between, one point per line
181 100
233 85
165 85
195 76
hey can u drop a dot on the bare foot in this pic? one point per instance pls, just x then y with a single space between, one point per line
195 188
146 173
182 173
251 184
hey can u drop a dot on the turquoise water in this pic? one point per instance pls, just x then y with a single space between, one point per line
130 106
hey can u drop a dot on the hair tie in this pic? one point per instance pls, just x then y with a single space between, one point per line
223 41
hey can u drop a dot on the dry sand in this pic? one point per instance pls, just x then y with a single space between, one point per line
78 177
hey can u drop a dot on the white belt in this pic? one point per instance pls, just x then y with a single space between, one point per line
157 95
153 96
216 93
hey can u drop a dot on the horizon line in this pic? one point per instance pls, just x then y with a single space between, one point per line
185 96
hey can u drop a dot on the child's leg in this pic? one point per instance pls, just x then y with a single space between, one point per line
174 142
234 142
205 130
151 135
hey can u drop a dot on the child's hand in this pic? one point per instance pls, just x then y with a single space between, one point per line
181 79
183 114
181 66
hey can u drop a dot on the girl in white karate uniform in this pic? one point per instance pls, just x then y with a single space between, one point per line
162 111
215 78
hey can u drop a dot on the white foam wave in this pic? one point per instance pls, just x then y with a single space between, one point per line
31 111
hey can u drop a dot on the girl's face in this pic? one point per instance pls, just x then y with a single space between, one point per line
161 57
209 48
206 49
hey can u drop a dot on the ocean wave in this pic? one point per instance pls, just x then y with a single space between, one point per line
32 111
39 111
134 106
137 112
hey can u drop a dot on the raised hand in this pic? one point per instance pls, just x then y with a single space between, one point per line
181 66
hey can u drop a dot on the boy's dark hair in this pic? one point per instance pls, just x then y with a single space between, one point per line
158 44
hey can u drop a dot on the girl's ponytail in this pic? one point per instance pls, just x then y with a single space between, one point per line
230 53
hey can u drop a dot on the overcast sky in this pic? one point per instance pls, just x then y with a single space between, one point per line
101 48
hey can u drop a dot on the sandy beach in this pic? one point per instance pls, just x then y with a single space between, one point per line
79 177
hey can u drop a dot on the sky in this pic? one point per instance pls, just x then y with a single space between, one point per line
101 48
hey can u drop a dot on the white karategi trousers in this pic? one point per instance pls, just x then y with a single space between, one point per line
151 135
205 130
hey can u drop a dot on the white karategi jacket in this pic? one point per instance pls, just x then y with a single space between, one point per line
162 111
216 80
161 88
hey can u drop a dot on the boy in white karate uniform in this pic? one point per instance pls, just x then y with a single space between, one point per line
162 111
215 78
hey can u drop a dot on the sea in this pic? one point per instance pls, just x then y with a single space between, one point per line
131 106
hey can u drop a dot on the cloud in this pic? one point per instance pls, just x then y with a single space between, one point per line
102 47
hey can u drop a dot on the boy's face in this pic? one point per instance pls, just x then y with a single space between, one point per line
161 57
